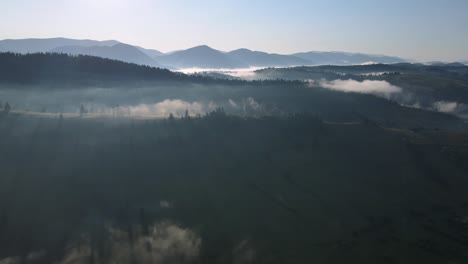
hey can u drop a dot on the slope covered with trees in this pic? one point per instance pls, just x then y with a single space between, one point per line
222 189
56 68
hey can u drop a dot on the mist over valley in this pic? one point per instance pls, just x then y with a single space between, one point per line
233 132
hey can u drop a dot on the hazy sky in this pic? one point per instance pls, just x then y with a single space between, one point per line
419 29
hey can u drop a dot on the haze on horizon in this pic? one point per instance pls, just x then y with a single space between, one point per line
421 30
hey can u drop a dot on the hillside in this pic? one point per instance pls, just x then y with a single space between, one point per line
420 83
233 132
263 59
197 57
206 57
201 57
454 71
119 51
46 45
214 184
70 81
45 68
344 58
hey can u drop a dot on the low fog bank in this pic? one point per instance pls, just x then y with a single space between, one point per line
336 101
394 93
247 74
163 243
234 72
380 88
138 102
456 108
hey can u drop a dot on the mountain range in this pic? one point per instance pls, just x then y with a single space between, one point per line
46 45
197 57
119 51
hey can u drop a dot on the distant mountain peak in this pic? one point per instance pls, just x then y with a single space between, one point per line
203 48
242 50
119 51
455 64
32 45
124 46
201 56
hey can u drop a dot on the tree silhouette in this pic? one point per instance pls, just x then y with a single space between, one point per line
82 110
171 117
7 108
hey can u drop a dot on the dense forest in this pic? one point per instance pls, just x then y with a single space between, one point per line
58 70
233 132
456 71
58 83
46 67
229 189
422 86
103 161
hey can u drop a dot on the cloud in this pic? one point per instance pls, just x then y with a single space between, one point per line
369 63
244 73
165 204
32 257
374 73
10 260
244 253
250 102
446 107
456 108
165 243
381 88
232 103
166 107
247 103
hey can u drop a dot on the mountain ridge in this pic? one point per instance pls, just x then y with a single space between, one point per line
32 45
120 51
202 56
264 59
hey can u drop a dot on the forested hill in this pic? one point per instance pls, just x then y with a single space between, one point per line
57 69
54 67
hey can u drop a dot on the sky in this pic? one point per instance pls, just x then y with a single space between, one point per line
423 30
